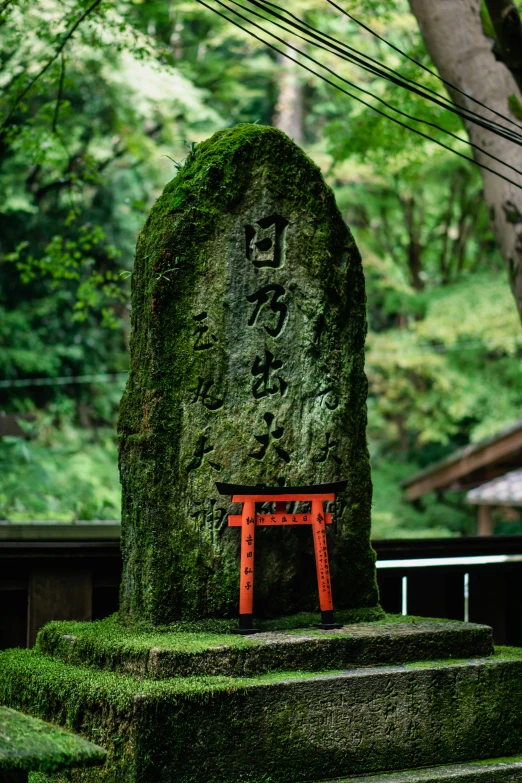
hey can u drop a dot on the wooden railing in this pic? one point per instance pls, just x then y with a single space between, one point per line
476 579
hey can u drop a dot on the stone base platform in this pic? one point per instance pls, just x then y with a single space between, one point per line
160 655
490 771
282 726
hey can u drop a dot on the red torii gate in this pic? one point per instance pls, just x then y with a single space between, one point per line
249 519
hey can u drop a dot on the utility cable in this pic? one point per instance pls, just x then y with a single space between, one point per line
341 89
364 61
367 92
421 65
66 380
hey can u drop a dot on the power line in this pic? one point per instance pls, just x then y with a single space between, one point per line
341 89
437 349
65 380
424 67
381 100
397 78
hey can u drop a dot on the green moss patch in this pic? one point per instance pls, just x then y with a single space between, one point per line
163 654
27 743
279 727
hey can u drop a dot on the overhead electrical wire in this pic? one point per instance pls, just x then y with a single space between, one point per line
381 100
421 65
397 78
341 89
65 380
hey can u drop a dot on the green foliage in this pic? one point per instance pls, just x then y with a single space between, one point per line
63 474
487 24
394 518
81 144
90 127
73 260
515 107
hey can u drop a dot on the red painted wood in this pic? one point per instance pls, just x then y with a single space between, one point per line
321 556
246 576
249 520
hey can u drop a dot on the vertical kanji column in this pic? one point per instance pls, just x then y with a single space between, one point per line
321 562
246 576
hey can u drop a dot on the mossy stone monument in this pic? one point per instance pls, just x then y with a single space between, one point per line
247 366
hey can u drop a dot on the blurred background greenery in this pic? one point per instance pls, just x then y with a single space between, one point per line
89 148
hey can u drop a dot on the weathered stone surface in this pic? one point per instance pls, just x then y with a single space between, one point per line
27 743
490 771
247 354
162 655
280 728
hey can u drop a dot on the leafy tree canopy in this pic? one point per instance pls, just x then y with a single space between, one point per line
99 104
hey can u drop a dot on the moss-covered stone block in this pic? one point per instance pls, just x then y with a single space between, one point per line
27 743
162 655
280 727
247 366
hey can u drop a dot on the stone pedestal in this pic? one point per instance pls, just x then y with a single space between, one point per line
29 745
286 706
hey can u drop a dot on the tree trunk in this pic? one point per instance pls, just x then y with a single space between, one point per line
289 109
508 30
453 34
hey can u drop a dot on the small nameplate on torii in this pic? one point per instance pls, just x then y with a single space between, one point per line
249 519
278 520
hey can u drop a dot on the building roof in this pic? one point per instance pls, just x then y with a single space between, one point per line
470 466
502 491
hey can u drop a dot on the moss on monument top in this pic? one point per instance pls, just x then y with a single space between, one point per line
28 743
214 175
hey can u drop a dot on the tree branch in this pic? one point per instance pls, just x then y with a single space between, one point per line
59 49
60 94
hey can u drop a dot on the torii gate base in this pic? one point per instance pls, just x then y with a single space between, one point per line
249 519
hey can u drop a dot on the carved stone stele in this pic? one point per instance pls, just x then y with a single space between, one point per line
247 366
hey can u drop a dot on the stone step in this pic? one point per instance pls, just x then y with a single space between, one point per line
28 744
287 727
161 655
504 770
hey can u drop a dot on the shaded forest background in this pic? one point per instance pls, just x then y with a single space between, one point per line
90 145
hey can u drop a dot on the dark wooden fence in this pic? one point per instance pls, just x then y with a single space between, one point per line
60 572
73 572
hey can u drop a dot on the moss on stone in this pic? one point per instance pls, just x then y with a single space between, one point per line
507 769
27 743
180 559
163 654
281 727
